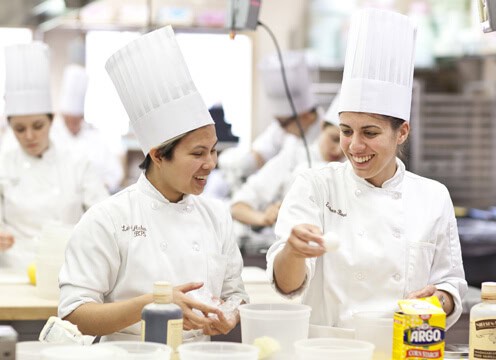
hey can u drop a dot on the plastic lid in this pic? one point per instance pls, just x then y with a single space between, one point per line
489 290
162 292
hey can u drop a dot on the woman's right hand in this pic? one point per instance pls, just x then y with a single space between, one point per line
192 321
305 241
6 240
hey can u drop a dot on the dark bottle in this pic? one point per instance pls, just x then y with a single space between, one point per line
162 320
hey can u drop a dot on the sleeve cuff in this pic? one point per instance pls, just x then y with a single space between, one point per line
458 308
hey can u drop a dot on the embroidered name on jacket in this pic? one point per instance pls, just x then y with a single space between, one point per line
338 211
137 230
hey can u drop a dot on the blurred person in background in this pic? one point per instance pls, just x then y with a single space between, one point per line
76 134
39 182
237 164
257 202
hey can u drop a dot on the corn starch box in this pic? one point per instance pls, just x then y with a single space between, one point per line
418 330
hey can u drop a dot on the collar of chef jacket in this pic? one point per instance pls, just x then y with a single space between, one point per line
392 185
158 200
49 156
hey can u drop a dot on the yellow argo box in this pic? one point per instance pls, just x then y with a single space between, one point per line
418 331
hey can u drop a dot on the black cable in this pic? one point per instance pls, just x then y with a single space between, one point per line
288 93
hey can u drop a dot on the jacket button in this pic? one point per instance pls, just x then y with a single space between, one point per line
359 276
396 196
196 246
163 246
396 234
188 208
155 205
397 277
358 192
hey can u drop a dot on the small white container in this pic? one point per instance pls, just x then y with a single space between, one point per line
217 351
30 350
78 352
138 350
376 327
335 349
284 323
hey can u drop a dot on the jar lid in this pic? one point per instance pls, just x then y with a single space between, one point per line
488 289
456 351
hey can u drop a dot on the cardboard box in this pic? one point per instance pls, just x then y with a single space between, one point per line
419 330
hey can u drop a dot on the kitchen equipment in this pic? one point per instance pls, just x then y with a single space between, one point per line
217 351
376 327
336 349
284 323
137 350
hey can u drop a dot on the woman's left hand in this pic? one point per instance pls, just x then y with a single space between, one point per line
222 325
444 297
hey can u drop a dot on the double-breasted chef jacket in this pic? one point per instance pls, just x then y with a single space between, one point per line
58 186
394 240
136 237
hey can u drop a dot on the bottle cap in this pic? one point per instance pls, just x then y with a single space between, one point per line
488 290
162 292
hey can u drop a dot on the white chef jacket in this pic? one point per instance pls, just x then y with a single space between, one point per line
394 240
58 186
273 180
90 142
136 237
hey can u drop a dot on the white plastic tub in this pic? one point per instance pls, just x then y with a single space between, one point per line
30 350
78 352
282 323
377 328
137 350
217 351
335 349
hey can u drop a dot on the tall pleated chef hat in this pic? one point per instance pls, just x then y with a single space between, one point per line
332 114
155 86
378 69
73 90
299 83
27 79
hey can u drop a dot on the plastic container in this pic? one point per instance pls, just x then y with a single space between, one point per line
284 323
323 331
377 328
482 324
335 349
137 350
79 352
30 350
217 351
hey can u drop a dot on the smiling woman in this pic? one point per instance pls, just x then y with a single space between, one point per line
187 238
397 230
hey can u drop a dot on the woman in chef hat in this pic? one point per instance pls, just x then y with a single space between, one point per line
257 202
39 183
397 231
158 228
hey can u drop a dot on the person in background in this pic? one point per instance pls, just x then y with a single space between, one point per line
39 182
397 230
159 228
238 164
75 133
257 202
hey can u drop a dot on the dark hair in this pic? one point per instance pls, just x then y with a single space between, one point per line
396 124
49 115
165 151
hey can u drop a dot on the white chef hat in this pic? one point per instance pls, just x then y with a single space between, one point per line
378 70
27 79
299 83
73 90
332 114
154 84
